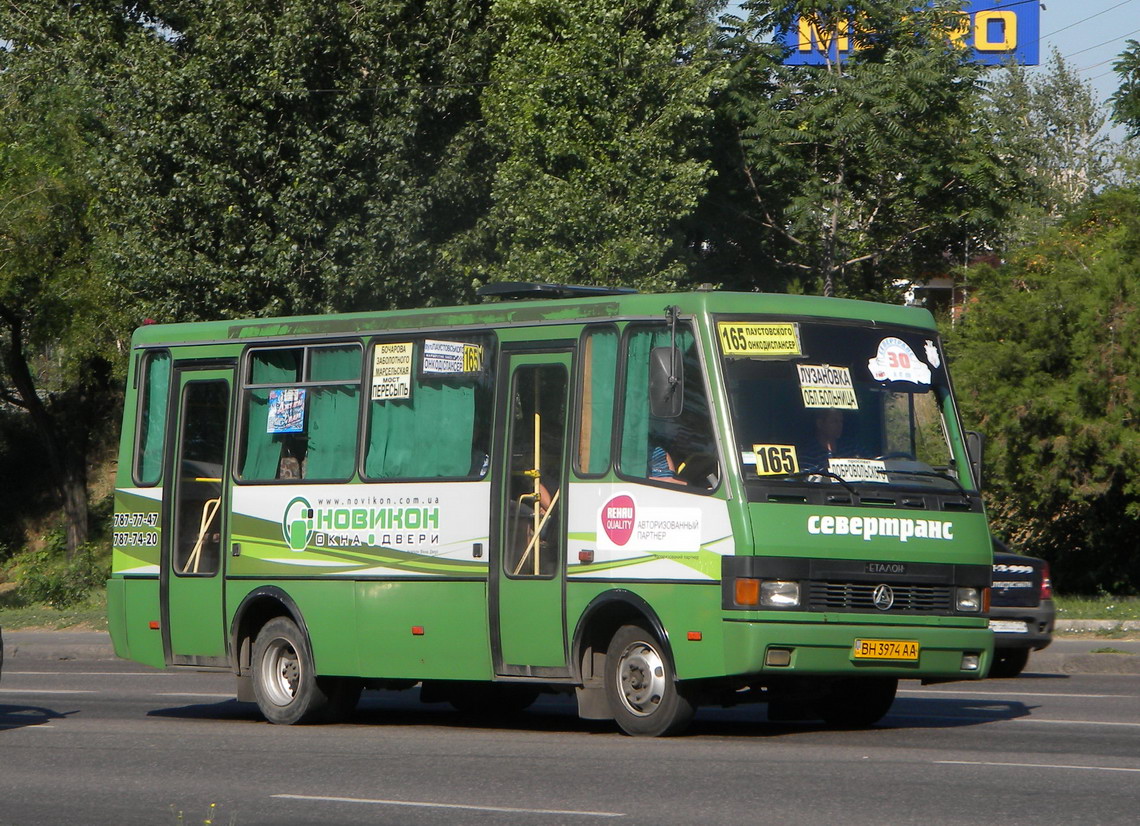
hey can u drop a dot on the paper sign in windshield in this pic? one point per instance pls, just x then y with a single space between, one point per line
392 370
859 470
452 357
823 385
773 338
895 361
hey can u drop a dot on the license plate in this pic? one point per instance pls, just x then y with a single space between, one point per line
885 650
1009 626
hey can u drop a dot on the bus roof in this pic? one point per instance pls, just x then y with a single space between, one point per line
557 311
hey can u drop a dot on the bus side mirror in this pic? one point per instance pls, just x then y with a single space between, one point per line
975 446
666 382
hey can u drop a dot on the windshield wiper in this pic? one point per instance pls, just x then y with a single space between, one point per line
803 474
935 474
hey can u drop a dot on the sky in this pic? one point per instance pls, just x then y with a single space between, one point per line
1090 35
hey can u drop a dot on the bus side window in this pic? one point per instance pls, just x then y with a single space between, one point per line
302 408
597 383
153 401
673 451
430 412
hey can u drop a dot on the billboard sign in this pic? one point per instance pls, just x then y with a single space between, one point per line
997 31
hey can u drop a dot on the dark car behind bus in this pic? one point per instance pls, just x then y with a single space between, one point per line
1021 609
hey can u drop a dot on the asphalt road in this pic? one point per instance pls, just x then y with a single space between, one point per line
94 742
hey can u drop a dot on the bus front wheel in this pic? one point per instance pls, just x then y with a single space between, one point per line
284 682
641 687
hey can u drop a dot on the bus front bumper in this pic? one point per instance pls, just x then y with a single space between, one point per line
923 652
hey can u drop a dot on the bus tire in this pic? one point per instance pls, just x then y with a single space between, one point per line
857 702
641 685
284 682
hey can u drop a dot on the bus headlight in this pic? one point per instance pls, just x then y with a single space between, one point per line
778 593
969 600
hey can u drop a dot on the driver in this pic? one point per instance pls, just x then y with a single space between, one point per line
827 440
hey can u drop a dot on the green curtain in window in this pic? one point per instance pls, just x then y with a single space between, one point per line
333 413
157 391
635 427
429 435
332 432
334 364
262 449
603 387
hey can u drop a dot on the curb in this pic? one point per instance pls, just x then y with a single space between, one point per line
58 645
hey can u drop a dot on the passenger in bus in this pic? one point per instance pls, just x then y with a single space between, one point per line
663 468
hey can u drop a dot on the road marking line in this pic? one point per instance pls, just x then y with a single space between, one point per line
13 726
192 694
47 691
429 805
1034 765
92 673
981 694
965 719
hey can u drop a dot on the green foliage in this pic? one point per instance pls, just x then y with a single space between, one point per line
285 156
593 111
1046 364
1054 124
1126 100
48 577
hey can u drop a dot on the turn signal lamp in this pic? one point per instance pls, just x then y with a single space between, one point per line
747 591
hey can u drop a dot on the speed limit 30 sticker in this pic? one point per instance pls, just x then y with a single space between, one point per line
895 361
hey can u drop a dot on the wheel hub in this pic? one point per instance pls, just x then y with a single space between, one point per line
641 679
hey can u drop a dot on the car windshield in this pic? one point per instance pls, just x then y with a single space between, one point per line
839 403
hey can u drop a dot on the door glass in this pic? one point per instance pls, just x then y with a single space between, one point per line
202 451
538 421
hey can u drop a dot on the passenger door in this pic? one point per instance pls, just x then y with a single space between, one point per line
193 558
529 536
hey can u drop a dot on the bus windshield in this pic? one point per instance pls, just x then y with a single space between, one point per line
835 403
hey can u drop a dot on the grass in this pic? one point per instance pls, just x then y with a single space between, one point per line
90 615
1098 608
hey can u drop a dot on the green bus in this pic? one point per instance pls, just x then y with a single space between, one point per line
652 501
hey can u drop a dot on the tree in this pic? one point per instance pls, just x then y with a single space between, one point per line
1126 100
593 110
55 303
1052 125
1046 365
283 156
860 171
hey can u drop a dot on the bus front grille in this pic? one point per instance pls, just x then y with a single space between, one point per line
859 596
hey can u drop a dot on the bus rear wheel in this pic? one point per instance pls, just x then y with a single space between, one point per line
641 686
284 682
